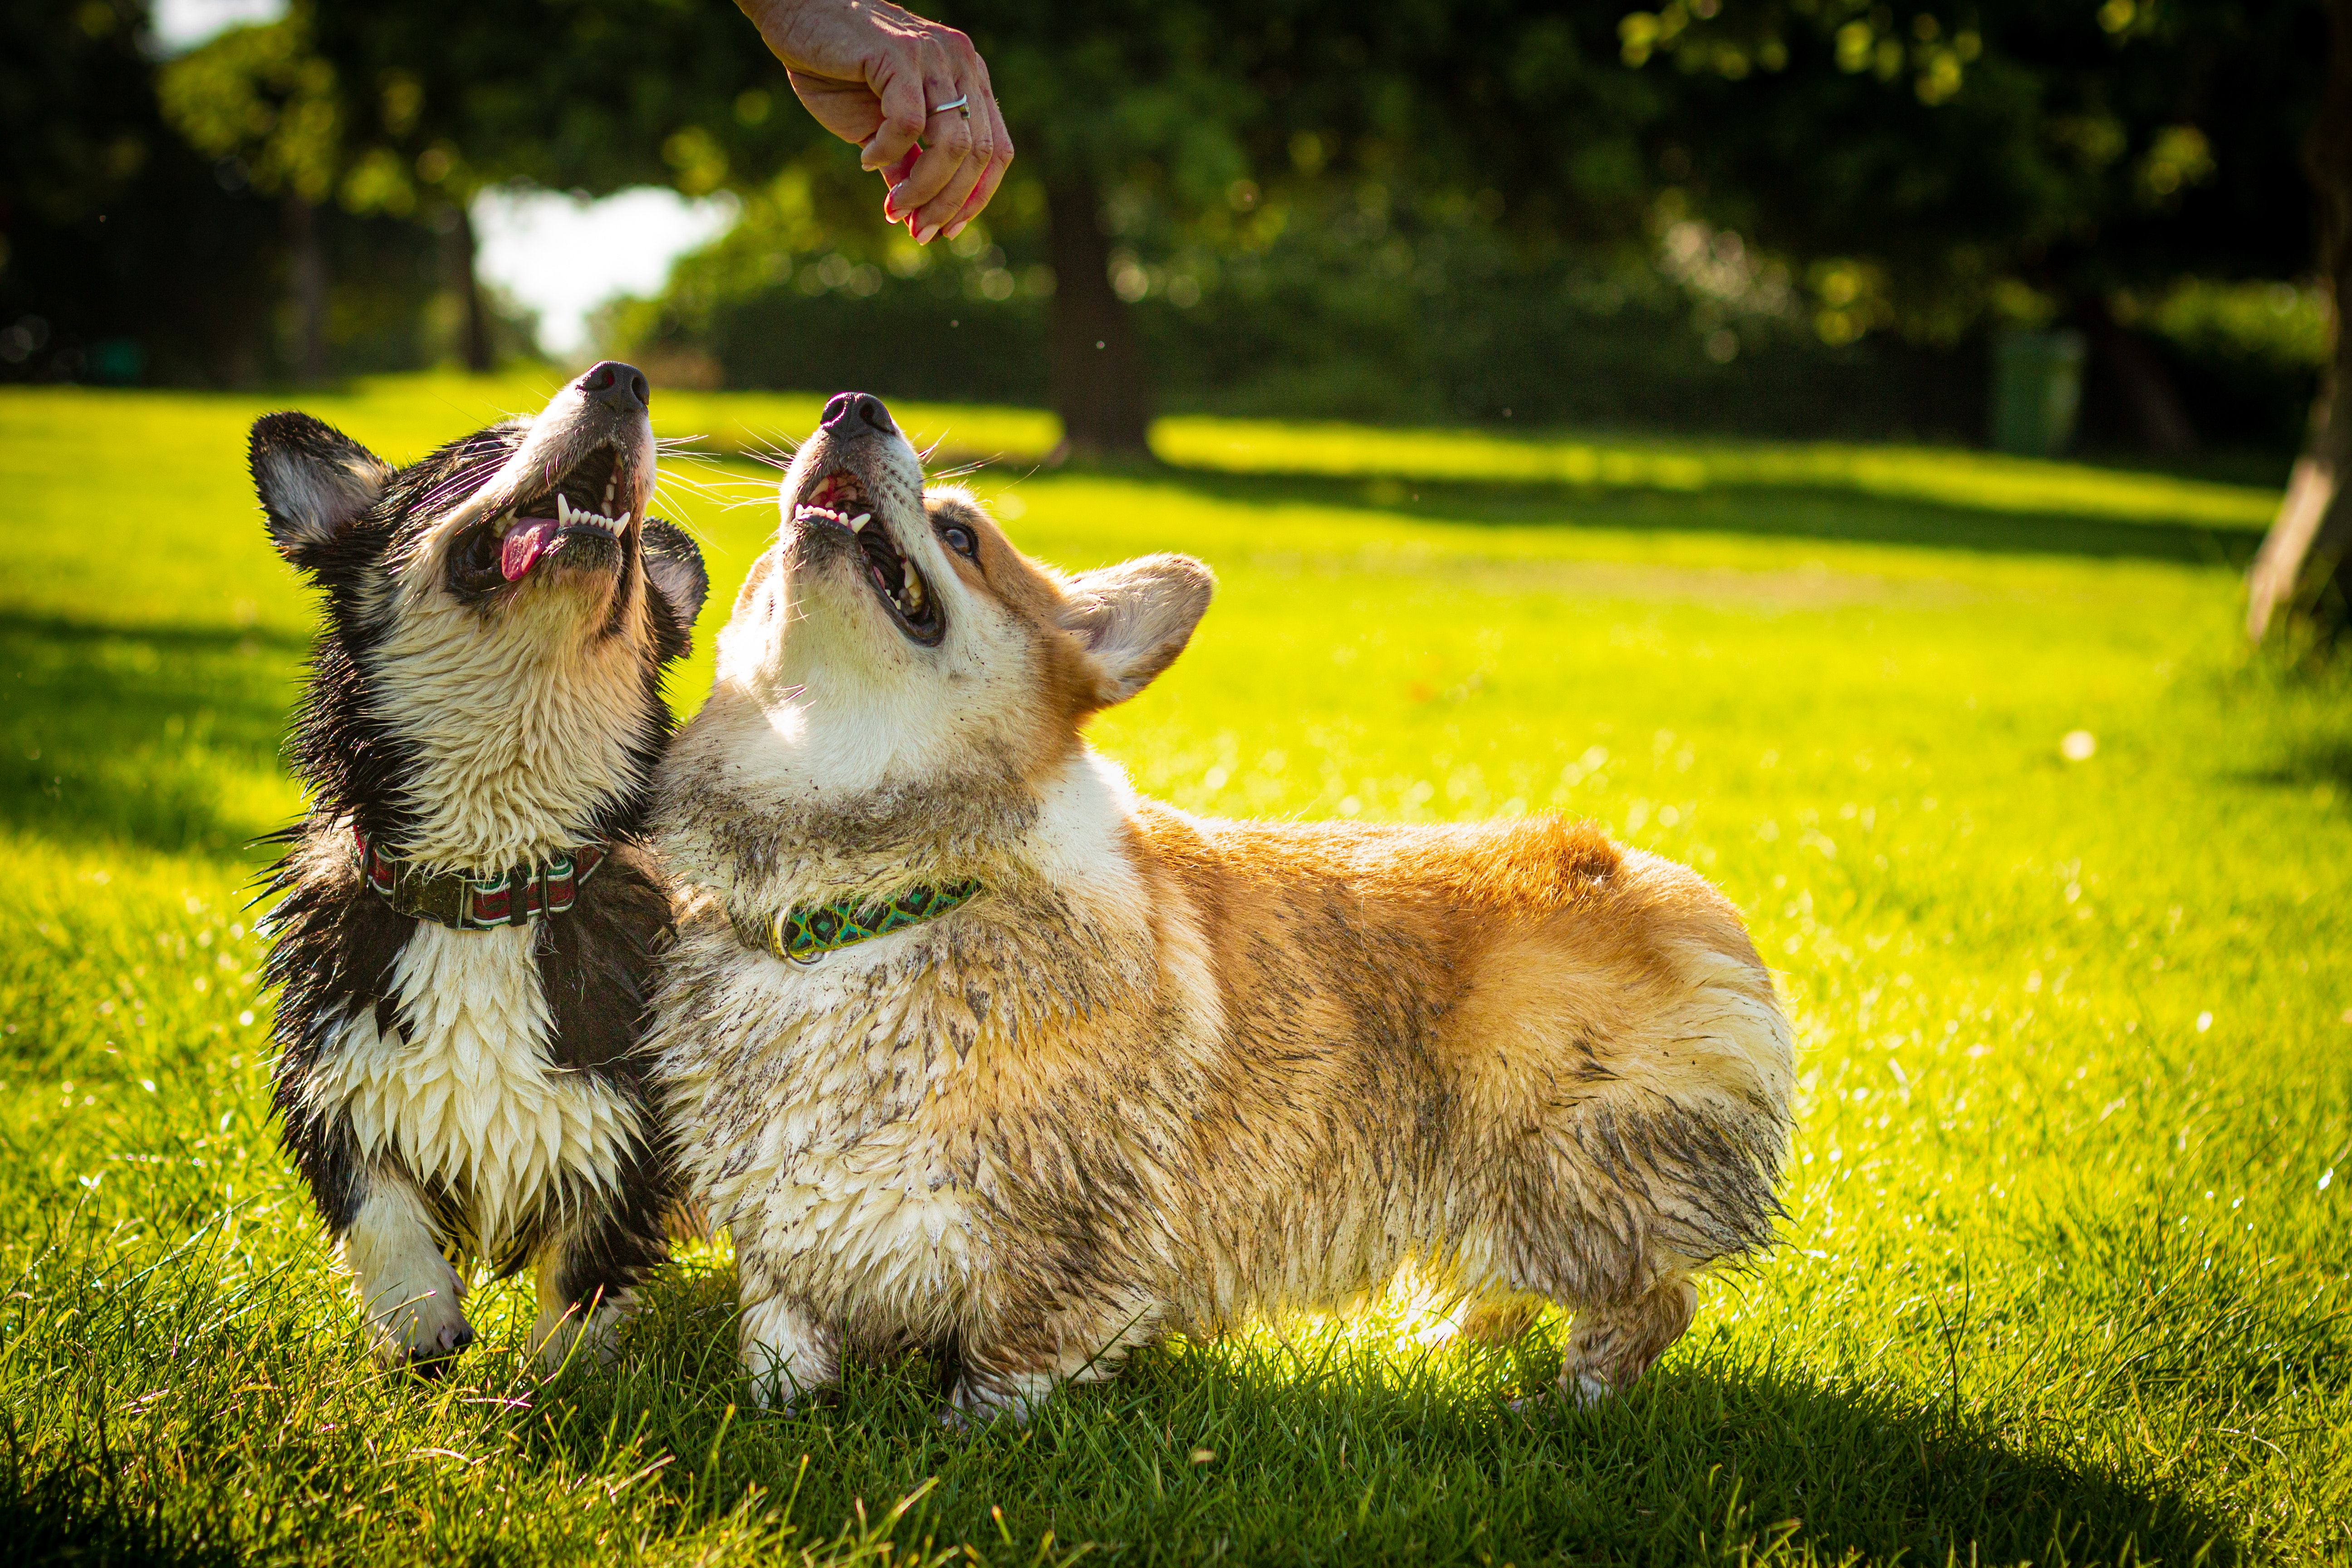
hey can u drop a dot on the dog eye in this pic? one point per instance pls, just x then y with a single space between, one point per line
960 541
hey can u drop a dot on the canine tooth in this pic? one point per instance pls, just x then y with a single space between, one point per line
563 509
858 522
914 593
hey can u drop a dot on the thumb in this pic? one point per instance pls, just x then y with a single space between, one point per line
902 121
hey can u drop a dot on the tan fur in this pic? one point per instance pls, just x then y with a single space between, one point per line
1166 1072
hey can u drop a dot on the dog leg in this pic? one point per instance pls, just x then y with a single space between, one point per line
575 1322
786 1352
406 1287
1016 1374
587 1274
1496 1320
1611 1346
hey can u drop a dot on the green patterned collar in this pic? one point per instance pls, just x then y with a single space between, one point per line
806 933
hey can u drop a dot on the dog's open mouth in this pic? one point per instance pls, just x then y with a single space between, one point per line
592 500
837 500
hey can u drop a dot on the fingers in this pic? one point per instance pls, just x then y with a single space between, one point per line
964 151
947 145
979 151
991 174
903 111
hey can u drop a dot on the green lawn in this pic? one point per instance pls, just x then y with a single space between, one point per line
2065 1275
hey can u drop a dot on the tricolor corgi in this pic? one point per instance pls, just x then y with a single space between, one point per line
971 1046
470 912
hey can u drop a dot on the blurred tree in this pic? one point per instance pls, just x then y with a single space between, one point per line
1211 127
1933 167
446 97
1225 125
261 100
122 257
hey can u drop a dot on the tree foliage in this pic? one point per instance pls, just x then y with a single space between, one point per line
121 258
1933 164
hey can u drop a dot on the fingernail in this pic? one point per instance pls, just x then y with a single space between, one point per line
955 228
890 210
926 237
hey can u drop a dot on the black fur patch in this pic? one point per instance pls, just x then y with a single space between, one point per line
314 482
674 567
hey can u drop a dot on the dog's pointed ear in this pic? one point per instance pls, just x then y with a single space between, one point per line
674 568
1134 619
314 482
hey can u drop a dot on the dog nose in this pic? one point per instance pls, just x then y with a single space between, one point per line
848 410
619 388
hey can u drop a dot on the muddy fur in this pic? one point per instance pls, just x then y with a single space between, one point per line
1166 1072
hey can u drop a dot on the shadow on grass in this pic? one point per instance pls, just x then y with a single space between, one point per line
142 735
1359 1453
77 1515
2317 760
1759 511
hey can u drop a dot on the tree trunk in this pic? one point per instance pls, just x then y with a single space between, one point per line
473 317
309 283
1101 389
2310 540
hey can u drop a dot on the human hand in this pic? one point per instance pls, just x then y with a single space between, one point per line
872 74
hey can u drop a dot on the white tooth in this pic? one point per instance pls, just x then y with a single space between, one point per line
563 509
858 524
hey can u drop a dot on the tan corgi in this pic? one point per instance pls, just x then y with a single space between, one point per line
970 1046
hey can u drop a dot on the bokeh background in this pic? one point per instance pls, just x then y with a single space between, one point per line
1803 218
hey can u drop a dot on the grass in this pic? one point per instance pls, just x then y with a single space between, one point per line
2065 1275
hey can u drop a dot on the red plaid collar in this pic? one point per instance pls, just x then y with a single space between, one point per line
466 902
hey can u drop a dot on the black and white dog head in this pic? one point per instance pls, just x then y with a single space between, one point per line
487 690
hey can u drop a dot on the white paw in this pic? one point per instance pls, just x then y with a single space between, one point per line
1586 1391
1583 1392
788 1359
408 1289
422 1335
1020 1397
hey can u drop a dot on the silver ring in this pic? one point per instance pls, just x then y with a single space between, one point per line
959 103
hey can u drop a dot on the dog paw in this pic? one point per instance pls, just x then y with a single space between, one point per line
1016 1399
784 1399
428 1349
449 1342
1585 1390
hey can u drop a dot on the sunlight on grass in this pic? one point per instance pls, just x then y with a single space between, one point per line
2065 1268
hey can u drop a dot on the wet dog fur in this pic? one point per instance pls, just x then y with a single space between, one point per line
464 1096
1166 1072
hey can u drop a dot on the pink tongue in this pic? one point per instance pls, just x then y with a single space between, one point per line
525 543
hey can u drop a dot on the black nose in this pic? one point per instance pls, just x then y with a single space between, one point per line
848 410
619 388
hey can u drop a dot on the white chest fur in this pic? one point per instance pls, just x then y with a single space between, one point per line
522 733
466 1093
811 1139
